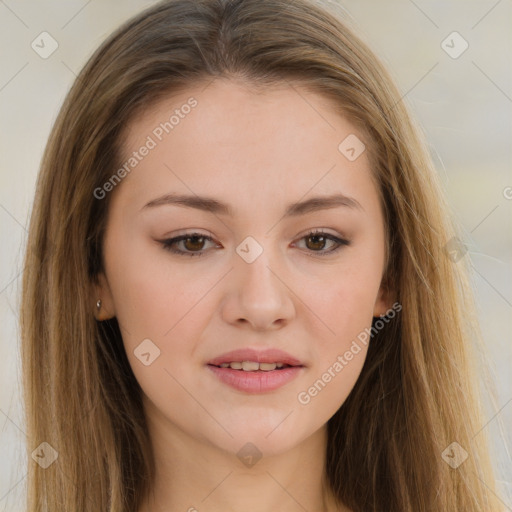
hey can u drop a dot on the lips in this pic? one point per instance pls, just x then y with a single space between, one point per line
257 356
256 371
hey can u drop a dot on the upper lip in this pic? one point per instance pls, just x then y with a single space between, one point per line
269 355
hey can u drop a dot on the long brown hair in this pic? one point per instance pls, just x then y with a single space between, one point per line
414 396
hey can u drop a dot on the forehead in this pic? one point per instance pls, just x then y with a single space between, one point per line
232 140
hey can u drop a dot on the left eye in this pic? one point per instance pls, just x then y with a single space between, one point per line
193 243
316 242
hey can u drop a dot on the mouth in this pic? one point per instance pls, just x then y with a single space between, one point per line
253 371
254 366
249 360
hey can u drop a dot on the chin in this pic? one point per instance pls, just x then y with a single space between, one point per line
260 441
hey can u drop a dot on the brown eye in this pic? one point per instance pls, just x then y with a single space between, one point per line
322 243
190 244
317 242
193 243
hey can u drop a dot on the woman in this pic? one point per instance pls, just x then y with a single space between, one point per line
237 291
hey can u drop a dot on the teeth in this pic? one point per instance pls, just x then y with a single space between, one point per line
252 366
249 366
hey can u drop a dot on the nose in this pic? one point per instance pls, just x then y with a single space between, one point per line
258 295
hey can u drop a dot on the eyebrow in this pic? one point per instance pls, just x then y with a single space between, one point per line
293 210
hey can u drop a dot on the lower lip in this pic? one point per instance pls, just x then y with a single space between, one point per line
256 382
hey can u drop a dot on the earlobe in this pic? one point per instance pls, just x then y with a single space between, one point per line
101 298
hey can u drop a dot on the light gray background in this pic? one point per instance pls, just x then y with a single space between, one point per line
463 104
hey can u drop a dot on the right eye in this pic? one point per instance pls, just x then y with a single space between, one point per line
193 243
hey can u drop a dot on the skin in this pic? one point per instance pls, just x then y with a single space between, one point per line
258 152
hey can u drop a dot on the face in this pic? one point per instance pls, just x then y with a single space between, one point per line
221 238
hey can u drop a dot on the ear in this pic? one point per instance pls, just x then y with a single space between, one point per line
384 300
100 290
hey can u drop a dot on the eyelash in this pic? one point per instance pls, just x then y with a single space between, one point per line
168 244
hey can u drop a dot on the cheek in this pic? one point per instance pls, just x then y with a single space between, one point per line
149 305
161 313
151 295
346 309
329 388
345 305
345 300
